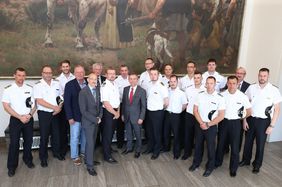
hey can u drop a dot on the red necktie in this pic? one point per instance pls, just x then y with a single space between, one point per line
131 96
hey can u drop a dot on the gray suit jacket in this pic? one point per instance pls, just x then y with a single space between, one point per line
90 109
136 110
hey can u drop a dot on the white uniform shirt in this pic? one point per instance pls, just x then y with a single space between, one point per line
145 79
209 102
63 80
261 98
191 94
233 102
16 97
177 99
220 80
185 82
110 93
47 92
121 84
155 96
165 81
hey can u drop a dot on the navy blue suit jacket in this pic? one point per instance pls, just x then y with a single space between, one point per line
71 105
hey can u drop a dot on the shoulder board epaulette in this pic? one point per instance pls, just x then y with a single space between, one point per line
8 86
162 83
37 82
189 85
29 85
253 83
201 91
55 80
104 83
274 85
219 94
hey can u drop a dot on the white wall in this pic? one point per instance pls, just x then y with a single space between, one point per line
261 46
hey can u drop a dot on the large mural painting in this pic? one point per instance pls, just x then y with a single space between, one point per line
115 32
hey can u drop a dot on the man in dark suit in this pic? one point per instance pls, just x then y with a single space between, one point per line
242 86
133 113
91 109
97 69
73 113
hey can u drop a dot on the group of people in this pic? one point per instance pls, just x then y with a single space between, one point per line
195 108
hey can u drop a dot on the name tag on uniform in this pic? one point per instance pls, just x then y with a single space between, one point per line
26 92
239 103
155 92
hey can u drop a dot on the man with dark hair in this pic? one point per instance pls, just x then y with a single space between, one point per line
145 76
265 100
121 81
177 104
133 113
64 78
220 80
192 93
188 79
209 110
49 104
111 112
168 70
237 107
18 102
157 101
73 114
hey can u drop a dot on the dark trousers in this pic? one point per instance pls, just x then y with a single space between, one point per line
108 126
154 131
202 135
16 127
130 128
90 135
48 124
172 122
64 131
189 132
120 130
257 128
229 130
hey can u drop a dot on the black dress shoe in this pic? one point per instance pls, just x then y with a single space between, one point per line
244 163
59 157
207 173
111 161
176 157
185 156
255 170
233 173
127 151
92 172
146 152
193 167
30 165
96 163
44 163
137 155
119 146
154 157
11 172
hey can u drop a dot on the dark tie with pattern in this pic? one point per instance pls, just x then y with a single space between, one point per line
131 96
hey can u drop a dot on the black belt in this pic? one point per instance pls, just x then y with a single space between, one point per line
232 119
